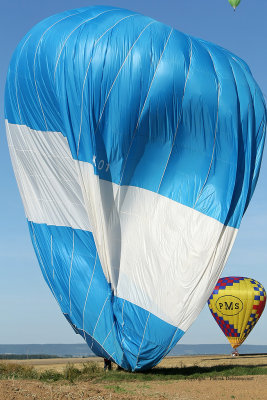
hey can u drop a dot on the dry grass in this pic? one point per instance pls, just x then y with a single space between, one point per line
59 364
175 368
183 378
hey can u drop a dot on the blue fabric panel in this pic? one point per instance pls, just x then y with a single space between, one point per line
144 337
112 327
148 106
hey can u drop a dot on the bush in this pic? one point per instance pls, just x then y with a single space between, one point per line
50 375
90 368
17 371
71 373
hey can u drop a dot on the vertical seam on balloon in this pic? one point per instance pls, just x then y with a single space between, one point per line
19 180
16 77
51 248
179 117
71 262
166 352
236 88
122 313
215 133
123 339
140 115
98 319
262 127
251 105
111 356
16 170
86 73
101 114
18 125
89 287
142 341
123 323
82 23
42 263
85 332
108 333
139 118
52 261
50 27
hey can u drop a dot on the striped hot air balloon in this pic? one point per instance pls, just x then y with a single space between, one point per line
136 149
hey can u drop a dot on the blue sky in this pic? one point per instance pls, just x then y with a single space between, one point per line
28 312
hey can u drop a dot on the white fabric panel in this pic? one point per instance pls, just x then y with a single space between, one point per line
47 177
157 254
181 254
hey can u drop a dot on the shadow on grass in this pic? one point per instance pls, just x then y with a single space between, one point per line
243 356
91 372
193 372
215 370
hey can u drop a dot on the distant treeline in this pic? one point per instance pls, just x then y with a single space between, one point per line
25 356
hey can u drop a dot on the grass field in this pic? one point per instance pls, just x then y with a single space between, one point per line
184 378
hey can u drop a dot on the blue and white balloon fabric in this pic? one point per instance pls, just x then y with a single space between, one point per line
136 149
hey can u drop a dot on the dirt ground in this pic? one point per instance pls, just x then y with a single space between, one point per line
239 388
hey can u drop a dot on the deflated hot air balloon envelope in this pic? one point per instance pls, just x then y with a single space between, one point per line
136 150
